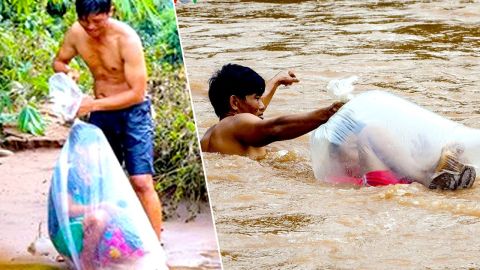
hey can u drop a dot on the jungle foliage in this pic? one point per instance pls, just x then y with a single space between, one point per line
30 35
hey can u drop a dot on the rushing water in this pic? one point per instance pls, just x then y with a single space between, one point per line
273 213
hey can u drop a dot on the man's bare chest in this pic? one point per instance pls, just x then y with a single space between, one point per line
102 58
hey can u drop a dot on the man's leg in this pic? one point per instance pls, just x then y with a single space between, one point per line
139 160
143 186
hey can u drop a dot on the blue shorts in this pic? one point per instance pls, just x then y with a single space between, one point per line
130 134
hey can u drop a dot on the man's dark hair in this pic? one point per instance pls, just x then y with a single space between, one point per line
233 79
92 7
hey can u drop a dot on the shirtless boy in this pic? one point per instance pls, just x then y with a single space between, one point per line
239 97
113 52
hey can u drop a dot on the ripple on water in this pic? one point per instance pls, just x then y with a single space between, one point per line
460 202
273 224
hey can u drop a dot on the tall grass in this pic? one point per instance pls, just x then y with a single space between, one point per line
177 156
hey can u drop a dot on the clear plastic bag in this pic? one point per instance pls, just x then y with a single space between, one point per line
378 137
65 95
95 218
342 89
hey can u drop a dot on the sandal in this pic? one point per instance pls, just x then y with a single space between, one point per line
467 177
451 180
445 180
450 172
449 159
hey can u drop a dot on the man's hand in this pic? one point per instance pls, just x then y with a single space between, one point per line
332 109
86 106
73 74
285 78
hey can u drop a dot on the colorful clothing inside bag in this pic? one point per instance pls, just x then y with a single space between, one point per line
83 179
120 242
58 234
383 178
373 178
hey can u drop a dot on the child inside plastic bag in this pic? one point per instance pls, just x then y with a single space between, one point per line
368 143
371 156
95 219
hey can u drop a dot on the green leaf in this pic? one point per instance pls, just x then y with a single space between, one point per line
7 118
30 121
5 102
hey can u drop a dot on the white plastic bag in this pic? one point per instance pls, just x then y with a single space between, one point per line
65 95
377 132
342 89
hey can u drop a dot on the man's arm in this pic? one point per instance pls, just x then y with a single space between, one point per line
252 131
136 78
282 78
65 54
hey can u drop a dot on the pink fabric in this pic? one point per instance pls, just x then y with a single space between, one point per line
373 178
383 178
115 247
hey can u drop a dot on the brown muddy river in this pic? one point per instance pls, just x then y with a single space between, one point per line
273 214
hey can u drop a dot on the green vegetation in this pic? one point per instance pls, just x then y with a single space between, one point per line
178 163
30 34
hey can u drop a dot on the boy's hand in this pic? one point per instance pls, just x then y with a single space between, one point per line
286 78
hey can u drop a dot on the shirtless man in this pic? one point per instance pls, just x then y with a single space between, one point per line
239 97
113 52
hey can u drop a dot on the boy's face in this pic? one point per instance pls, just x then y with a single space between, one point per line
252 104
95 24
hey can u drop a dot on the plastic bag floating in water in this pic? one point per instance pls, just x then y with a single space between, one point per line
95 219
378 139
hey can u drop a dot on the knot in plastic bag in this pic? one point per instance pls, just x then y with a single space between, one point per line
342 88
65 95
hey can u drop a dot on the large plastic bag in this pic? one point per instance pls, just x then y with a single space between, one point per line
65 95
407 143
95 219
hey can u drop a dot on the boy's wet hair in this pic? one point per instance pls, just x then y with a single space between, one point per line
233 79
92 7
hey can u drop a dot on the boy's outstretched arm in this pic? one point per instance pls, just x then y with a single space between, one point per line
282 78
